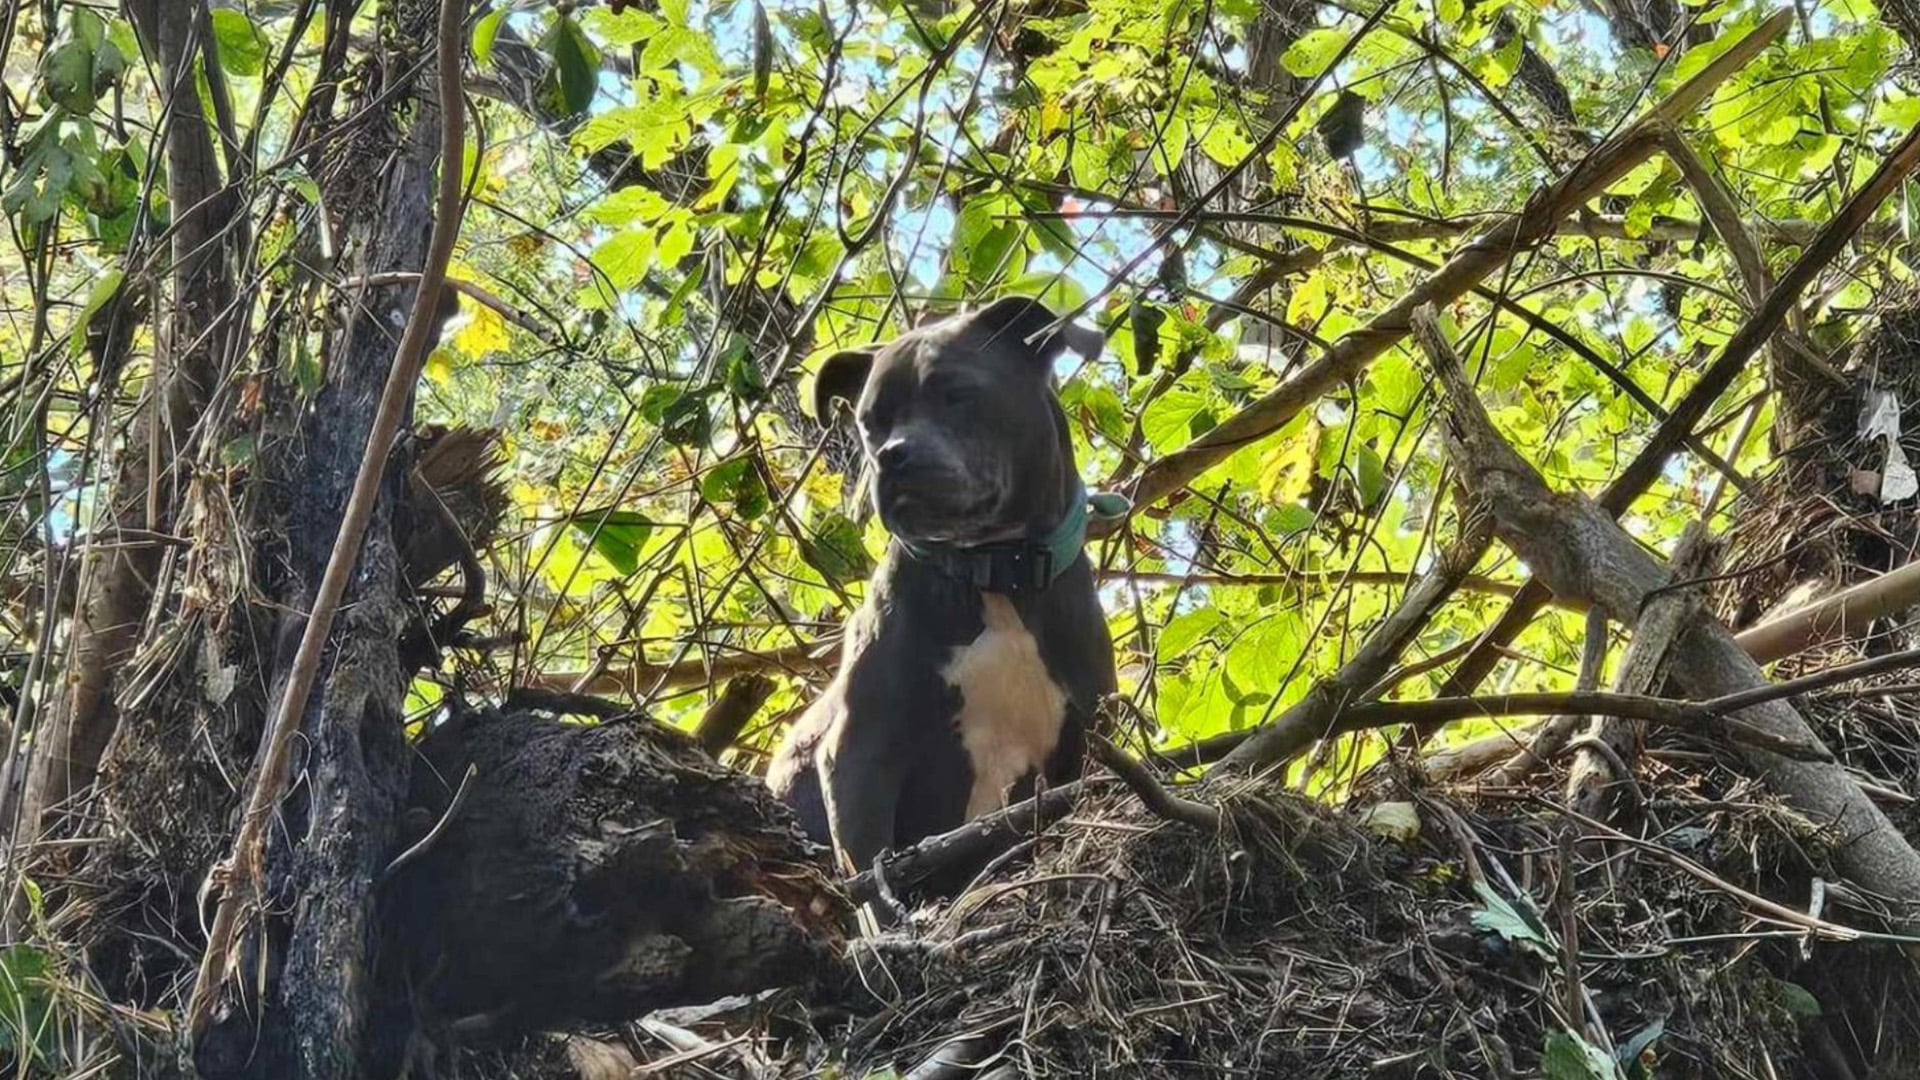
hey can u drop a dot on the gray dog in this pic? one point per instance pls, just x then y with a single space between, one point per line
981 651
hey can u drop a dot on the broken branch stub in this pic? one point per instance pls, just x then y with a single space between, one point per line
1574 547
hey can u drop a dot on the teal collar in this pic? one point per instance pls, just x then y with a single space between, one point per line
1022 566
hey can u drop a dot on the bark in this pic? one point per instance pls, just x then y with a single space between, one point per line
123 557
570 873
302 1005
1616 739
1576 548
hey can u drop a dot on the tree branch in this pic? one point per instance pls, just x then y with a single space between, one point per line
1575 547
1351 354
1687 415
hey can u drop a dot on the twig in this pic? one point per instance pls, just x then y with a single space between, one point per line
1778 912
810 657
565 703
1156 797
421 846
979 839
472 291
246 863
1819 680
1550 737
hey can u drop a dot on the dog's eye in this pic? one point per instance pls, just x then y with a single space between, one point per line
955 392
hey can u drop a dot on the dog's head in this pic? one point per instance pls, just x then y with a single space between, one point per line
961 427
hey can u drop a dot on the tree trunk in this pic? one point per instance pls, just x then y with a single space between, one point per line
124 556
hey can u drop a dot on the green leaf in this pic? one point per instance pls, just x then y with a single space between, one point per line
835 548
1799 1001
1315 49
744 379
242 47
104 289
681 45
1371 474
1266 652
40 183
1504 919
238 452
308 374
485 33
87 27
737 483
1570 1057
681 417
626 257
1169 422
24 1000
631 27
68 74
575 77
617 535
1184 631
1291 519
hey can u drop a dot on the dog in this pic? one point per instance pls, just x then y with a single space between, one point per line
980 653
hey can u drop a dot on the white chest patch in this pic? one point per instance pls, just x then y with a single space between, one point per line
1011 710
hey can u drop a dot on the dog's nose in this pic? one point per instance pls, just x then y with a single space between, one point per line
893 455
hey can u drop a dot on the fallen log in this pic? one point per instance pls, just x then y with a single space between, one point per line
595 873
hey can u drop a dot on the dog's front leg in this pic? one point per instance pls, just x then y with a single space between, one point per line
862 789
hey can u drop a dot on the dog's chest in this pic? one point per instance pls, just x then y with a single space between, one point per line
1011 710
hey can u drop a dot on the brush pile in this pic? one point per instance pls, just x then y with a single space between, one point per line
1499 940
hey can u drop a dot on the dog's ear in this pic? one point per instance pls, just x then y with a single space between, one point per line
841 378
1019 318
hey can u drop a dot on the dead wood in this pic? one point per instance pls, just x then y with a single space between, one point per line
1575 547
1612 743
597 872
966 848
1550 737
246 868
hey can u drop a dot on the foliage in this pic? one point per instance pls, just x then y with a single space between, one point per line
694 202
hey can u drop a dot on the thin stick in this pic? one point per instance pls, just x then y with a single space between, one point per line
1156 797
402 860
1778 912
246 863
